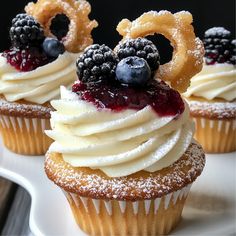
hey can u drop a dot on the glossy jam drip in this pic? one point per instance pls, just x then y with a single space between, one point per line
115 96
26 59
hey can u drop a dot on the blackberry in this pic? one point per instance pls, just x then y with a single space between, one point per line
217 32
140 47
233 57
218 47
97 63
26 32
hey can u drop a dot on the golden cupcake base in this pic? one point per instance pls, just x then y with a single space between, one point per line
25 135
216 136
149 217
22 126
141 204
215 123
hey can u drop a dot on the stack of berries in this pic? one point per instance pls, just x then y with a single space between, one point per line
116 79
30 48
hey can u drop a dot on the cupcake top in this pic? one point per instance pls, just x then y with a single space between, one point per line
142 185
38 62
218 77
118 118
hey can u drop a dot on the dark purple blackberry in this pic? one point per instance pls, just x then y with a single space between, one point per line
218 47
233 57
98 62
218 32
140 47
26 32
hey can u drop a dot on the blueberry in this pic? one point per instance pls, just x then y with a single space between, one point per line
53 47
133 71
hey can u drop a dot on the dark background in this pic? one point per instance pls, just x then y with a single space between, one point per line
206 14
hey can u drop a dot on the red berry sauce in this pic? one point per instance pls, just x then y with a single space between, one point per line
26 59
115 96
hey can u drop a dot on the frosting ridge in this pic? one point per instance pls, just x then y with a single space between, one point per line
118 143
214 81
40 85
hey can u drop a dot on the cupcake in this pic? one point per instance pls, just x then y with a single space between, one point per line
35 66
212 94
123 150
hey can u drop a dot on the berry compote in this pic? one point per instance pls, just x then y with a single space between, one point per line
115 96
26 59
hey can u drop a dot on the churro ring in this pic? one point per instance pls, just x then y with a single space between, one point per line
79 34
188 51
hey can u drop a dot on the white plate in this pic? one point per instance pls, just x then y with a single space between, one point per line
210 208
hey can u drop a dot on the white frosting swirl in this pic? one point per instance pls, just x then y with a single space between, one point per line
214 81
118 143
40 85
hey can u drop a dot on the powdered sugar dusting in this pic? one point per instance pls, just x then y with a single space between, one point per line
217 31
184 12
134 187
218 110
198 52
156 13
27 110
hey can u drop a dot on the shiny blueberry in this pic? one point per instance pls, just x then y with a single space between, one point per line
133 71
53 47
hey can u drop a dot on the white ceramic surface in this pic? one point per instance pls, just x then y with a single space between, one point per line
210 208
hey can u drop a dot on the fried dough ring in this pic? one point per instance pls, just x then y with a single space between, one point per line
188 51
79 34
